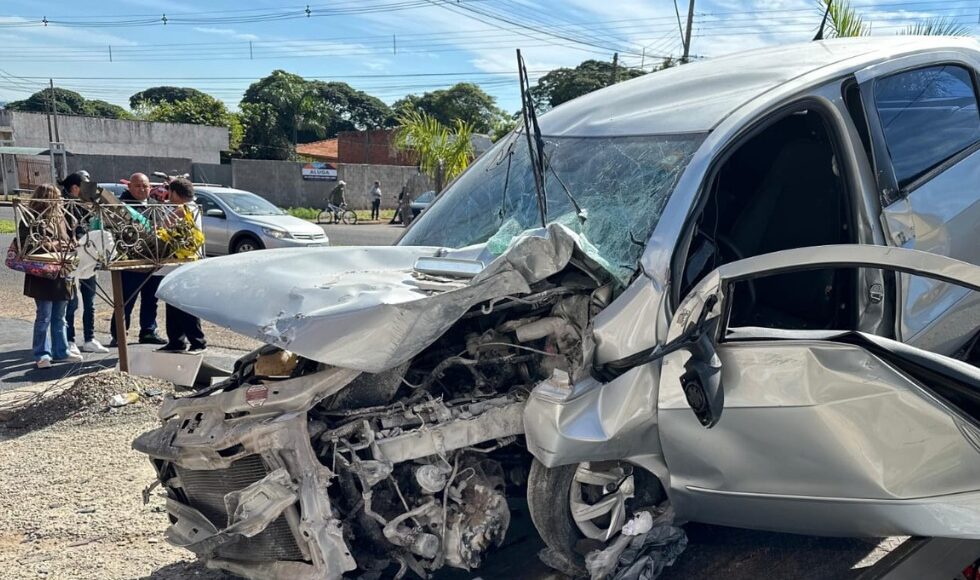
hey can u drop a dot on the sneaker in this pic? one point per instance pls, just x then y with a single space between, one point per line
94 346
71 357
197 349
73 349
172 348
44 362
151 338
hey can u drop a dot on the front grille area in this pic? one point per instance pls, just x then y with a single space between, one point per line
206 489
309 236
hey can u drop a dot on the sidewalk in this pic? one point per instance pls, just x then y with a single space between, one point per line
17 368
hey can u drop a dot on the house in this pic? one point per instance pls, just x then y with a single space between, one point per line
325 150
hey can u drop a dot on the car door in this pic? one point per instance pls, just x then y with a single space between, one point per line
925 126
215 228
819 432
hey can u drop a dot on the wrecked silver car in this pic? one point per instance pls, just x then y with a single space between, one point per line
722 297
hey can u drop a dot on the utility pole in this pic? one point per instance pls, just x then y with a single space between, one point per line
613 78
687 37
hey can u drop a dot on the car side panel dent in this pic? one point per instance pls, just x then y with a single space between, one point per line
597 421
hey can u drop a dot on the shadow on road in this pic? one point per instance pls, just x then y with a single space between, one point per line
17 367
184 569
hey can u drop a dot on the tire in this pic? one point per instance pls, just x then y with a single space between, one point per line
349 217
549 498
325 217
246 244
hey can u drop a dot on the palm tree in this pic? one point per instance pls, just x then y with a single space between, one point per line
300 107
938 27
846 22
443 152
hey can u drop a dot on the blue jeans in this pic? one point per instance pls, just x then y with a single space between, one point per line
50 316
87 289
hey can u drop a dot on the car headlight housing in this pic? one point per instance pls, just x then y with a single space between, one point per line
278 234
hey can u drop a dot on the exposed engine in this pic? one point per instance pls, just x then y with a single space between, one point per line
294 468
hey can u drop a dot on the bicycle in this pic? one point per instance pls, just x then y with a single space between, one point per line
335 214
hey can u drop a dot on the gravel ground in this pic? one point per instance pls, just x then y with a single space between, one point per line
71 507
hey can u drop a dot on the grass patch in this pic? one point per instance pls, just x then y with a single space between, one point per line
6 226
310 213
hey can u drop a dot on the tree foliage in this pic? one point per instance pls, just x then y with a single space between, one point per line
436 144
200 109
154 96
304 111
938 27
464 102
844 21
564 84
68 103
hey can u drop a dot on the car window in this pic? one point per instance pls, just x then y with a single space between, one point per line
206 203
927 116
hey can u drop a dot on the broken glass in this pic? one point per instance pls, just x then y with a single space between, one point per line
621 183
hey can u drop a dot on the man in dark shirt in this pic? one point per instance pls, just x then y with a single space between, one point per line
139 282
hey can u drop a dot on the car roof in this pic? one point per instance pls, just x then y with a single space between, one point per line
696 97
217 190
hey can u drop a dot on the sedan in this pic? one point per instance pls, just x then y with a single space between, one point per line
239 221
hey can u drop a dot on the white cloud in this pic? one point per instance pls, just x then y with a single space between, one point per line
228 32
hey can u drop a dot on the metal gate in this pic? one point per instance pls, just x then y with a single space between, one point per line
33 170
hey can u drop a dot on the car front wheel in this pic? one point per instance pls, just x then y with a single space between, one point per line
246 244
578 508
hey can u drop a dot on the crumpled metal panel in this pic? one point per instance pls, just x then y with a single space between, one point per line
358 308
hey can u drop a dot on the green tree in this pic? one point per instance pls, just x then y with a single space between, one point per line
199 109
97 108
443 153
464 102
263 136
154 96
937 27
299 106
564 84
351 109
66 102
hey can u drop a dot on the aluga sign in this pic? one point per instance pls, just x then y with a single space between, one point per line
753 296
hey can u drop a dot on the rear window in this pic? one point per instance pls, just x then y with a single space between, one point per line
927 116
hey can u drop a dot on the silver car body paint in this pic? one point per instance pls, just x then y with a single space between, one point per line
863 449
816 436
358 308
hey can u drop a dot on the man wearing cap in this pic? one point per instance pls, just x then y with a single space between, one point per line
336 200
71 187
138 282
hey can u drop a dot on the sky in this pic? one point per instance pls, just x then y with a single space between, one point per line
110 49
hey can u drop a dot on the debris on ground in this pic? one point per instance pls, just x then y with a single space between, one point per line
88 397
647 545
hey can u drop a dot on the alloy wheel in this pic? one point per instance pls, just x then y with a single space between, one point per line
598 497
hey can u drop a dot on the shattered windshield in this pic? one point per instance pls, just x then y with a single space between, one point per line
621 184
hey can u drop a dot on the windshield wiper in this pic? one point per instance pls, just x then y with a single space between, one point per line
535 144
536 151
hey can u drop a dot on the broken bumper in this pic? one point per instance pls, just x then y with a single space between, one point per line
245 489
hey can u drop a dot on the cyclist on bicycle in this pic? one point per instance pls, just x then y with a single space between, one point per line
336 202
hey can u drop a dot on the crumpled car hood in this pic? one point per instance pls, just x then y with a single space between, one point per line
361 308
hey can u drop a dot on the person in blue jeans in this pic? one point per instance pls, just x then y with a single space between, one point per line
50 342
71 187
138 283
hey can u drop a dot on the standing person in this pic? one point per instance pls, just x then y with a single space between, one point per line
397 218
71 187
138 282
376 201
182 327
50 342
